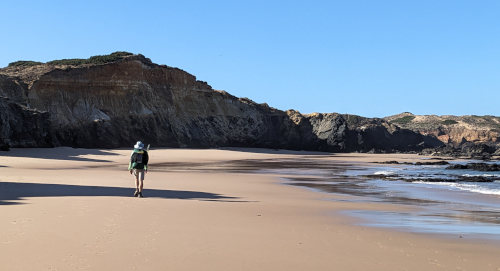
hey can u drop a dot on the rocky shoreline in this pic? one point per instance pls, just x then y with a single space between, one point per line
111 101
476 166
481 151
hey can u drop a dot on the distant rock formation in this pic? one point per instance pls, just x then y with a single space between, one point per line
473 136
114 100
455 130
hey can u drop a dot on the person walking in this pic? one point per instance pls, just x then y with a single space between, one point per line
138 166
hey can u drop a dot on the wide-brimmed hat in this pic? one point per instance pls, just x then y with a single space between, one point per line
139 145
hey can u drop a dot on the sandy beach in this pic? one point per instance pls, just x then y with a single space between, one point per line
72 209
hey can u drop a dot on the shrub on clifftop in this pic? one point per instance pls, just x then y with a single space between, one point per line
107 58
24 63
404 120
96 60
449 122
99 59
71 61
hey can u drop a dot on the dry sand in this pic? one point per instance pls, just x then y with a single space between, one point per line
71 209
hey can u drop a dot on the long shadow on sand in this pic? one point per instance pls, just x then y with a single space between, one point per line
12 193
60 153
275 151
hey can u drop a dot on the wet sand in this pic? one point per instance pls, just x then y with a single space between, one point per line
72 209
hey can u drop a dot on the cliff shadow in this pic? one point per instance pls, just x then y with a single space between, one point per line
290 166
274 151
13 193
59 153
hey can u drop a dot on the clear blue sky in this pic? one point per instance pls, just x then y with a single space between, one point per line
371 58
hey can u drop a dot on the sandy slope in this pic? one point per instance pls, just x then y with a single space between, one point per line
71 209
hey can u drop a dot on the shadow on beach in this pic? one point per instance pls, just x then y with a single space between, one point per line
12 193
299 165
60 153
275 151
297 153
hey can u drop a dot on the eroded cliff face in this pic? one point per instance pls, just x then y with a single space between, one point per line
134 99
13 88
454 130
118 103
355 133
20 126
23 127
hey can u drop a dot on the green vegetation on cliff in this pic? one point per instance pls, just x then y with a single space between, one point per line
449 122
96 60
24 63
70 61
99 59
403 120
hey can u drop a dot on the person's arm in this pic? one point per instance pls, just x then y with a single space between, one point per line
146 160
130 163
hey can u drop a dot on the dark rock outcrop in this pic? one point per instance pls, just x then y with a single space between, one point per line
476 166
350 133
23 127
431 163
13 88
482 151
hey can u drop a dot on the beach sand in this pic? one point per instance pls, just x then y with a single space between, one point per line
72 209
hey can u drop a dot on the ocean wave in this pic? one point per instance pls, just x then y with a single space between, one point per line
479 175
385 172
467 187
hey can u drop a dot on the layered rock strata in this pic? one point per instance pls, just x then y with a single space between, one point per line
454 130
117 103
469 136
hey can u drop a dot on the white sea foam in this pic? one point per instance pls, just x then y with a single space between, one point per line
384 172
479 175
467 187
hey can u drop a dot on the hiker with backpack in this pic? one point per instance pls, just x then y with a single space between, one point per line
138 166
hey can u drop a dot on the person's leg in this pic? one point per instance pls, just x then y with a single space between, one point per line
141 182
136 174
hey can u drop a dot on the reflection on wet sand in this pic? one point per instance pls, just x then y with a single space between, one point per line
437 212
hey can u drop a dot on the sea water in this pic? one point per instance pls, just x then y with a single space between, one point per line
452 207
418 173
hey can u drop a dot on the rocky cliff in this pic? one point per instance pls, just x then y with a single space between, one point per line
471 135
112 101
23 127
455 130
